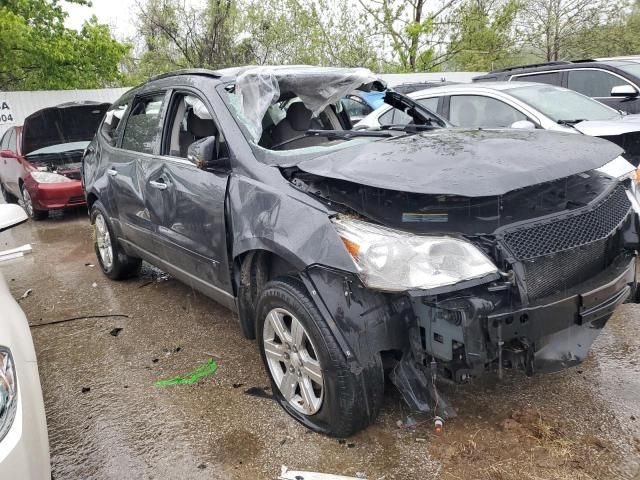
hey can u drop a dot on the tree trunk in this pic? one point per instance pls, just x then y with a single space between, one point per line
415 40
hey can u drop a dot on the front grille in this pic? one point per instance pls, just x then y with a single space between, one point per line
557 272
563 253
568 233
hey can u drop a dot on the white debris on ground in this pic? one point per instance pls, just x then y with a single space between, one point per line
287 474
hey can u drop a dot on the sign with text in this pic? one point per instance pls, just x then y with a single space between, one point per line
6 114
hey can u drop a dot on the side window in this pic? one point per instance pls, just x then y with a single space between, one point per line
4 143
430 104
142 131
394 117
112 119
189 121
355 107
551 78
593 83
12 141
475 111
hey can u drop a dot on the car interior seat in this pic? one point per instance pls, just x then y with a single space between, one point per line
290 132
196 129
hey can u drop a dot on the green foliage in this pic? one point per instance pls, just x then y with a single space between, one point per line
483 39
38 52
415 34
228 32
619 36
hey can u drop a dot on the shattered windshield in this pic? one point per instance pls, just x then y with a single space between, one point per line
563 105
285 130
286 113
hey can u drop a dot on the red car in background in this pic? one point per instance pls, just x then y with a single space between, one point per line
40 160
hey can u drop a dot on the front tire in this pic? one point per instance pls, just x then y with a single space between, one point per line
309 374
114 263
27 202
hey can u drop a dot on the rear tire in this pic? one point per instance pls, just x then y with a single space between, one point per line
309 374
29 208
114 263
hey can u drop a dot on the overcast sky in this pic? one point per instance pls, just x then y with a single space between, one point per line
118 14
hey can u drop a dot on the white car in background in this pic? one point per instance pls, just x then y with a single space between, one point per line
519 105
24 444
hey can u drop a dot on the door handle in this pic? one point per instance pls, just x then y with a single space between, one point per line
159 185
112 171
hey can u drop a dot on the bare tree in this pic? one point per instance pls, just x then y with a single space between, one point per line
551 25
416 30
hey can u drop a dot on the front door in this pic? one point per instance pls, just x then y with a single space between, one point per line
188 202
129 166
598 85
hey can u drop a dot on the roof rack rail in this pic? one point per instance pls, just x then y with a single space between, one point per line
531 65
186 71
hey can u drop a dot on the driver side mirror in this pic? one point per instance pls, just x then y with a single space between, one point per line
523 124
203 154
624 91
7 154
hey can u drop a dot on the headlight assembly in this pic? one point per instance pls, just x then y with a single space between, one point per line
8 391
392 260
48 177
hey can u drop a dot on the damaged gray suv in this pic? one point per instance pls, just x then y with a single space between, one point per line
424 253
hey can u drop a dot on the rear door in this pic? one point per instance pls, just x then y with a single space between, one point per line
13 166
4 169
188 202
130 166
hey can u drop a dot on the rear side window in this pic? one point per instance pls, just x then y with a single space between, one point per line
551 78
12 141
394 117
4 143
430 104
476 111
593 83
142 131
112 119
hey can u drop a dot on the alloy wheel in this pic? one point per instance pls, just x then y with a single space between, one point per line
103 241
26 200
293 361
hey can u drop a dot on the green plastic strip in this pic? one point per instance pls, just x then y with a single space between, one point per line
203 370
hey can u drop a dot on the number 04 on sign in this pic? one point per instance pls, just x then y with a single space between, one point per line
6 114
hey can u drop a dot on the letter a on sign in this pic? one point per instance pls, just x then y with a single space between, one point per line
6 114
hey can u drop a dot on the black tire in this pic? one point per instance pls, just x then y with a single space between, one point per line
122 266
351 401
6 196
28 206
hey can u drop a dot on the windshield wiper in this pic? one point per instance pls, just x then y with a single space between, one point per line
348 134
411 127
571 123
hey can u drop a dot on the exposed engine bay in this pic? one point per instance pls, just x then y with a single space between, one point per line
63 163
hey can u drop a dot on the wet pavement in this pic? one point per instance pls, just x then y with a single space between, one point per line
107 420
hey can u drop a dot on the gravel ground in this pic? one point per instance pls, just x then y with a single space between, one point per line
107 420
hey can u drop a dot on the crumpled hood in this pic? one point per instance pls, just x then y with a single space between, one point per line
606 128
65 123
471 163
